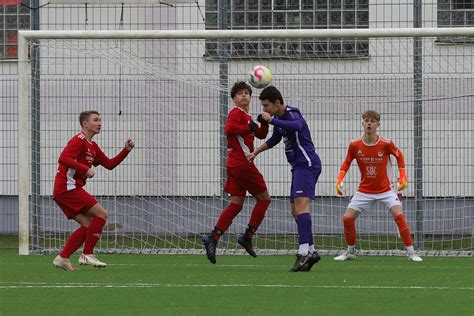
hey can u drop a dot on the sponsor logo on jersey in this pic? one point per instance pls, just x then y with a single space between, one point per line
371 171
89 156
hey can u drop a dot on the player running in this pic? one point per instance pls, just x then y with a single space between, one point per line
372 153
242 176
76 165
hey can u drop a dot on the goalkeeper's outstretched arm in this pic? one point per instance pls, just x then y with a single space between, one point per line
402 182
346 164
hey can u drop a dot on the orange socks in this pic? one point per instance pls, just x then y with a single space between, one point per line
349 230
404 230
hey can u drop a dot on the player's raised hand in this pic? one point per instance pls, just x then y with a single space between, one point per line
339 182
261 120
129 144
90 173
266 117
402 182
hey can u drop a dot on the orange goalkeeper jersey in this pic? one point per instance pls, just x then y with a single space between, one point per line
374 163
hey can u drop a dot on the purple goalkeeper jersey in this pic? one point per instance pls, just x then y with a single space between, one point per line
299 147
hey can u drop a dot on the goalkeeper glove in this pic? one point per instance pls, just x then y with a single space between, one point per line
261 120
402 182
339 182
252 126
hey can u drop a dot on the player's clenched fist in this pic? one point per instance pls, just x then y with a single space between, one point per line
266 117
129 144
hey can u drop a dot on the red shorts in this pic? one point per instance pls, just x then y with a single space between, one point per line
244 178
75 202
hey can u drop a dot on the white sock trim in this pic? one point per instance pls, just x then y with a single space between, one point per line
410 250
303 249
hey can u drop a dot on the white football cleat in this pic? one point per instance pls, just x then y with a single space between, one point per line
414 257
91 260
347 255
63 263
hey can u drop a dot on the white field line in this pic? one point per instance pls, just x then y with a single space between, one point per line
26 285
347 265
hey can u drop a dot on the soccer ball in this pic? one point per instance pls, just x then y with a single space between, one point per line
260 77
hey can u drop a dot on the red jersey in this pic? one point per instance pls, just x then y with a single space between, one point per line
239 139
374 163
76 159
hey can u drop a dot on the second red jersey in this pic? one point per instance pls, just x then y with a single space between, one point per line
239 139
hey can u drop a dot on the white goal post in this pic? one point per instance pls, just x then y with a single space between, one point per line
397 106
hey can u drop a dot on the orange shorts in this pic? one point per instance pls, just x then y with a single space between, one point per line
244 178
75 202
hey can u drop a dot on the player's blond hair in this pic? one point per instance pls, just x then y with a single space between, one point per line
371 114
84 116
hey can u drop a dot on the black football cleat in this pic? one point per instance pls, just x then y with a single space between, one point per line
312 260
246 242
299 263
210 244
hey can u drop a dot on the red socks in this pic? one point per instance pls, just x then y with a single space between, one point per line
90 235
232 210
349 230
93 234
74 241
404 230
258 214
226 218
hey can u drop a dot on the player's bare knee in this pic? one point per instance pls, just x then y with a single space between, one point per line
396 210
352 214
264 196
103 214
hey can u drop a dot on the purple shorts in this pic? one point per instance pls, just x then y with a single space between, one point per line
303 182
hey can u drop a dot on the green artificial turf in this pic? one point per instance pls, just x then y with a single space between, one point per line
236 285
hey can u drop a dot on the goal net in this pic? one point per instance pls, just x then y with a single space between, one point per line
169 91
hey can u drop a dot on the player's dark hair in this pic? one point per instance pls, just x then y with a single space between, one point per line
271 94
371 114
238 86
84 116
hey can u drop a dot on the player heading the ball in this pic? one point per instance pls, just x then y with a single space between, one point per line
289 125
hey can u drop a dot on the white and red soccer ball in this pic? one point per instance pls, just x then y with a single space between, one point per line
260 77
